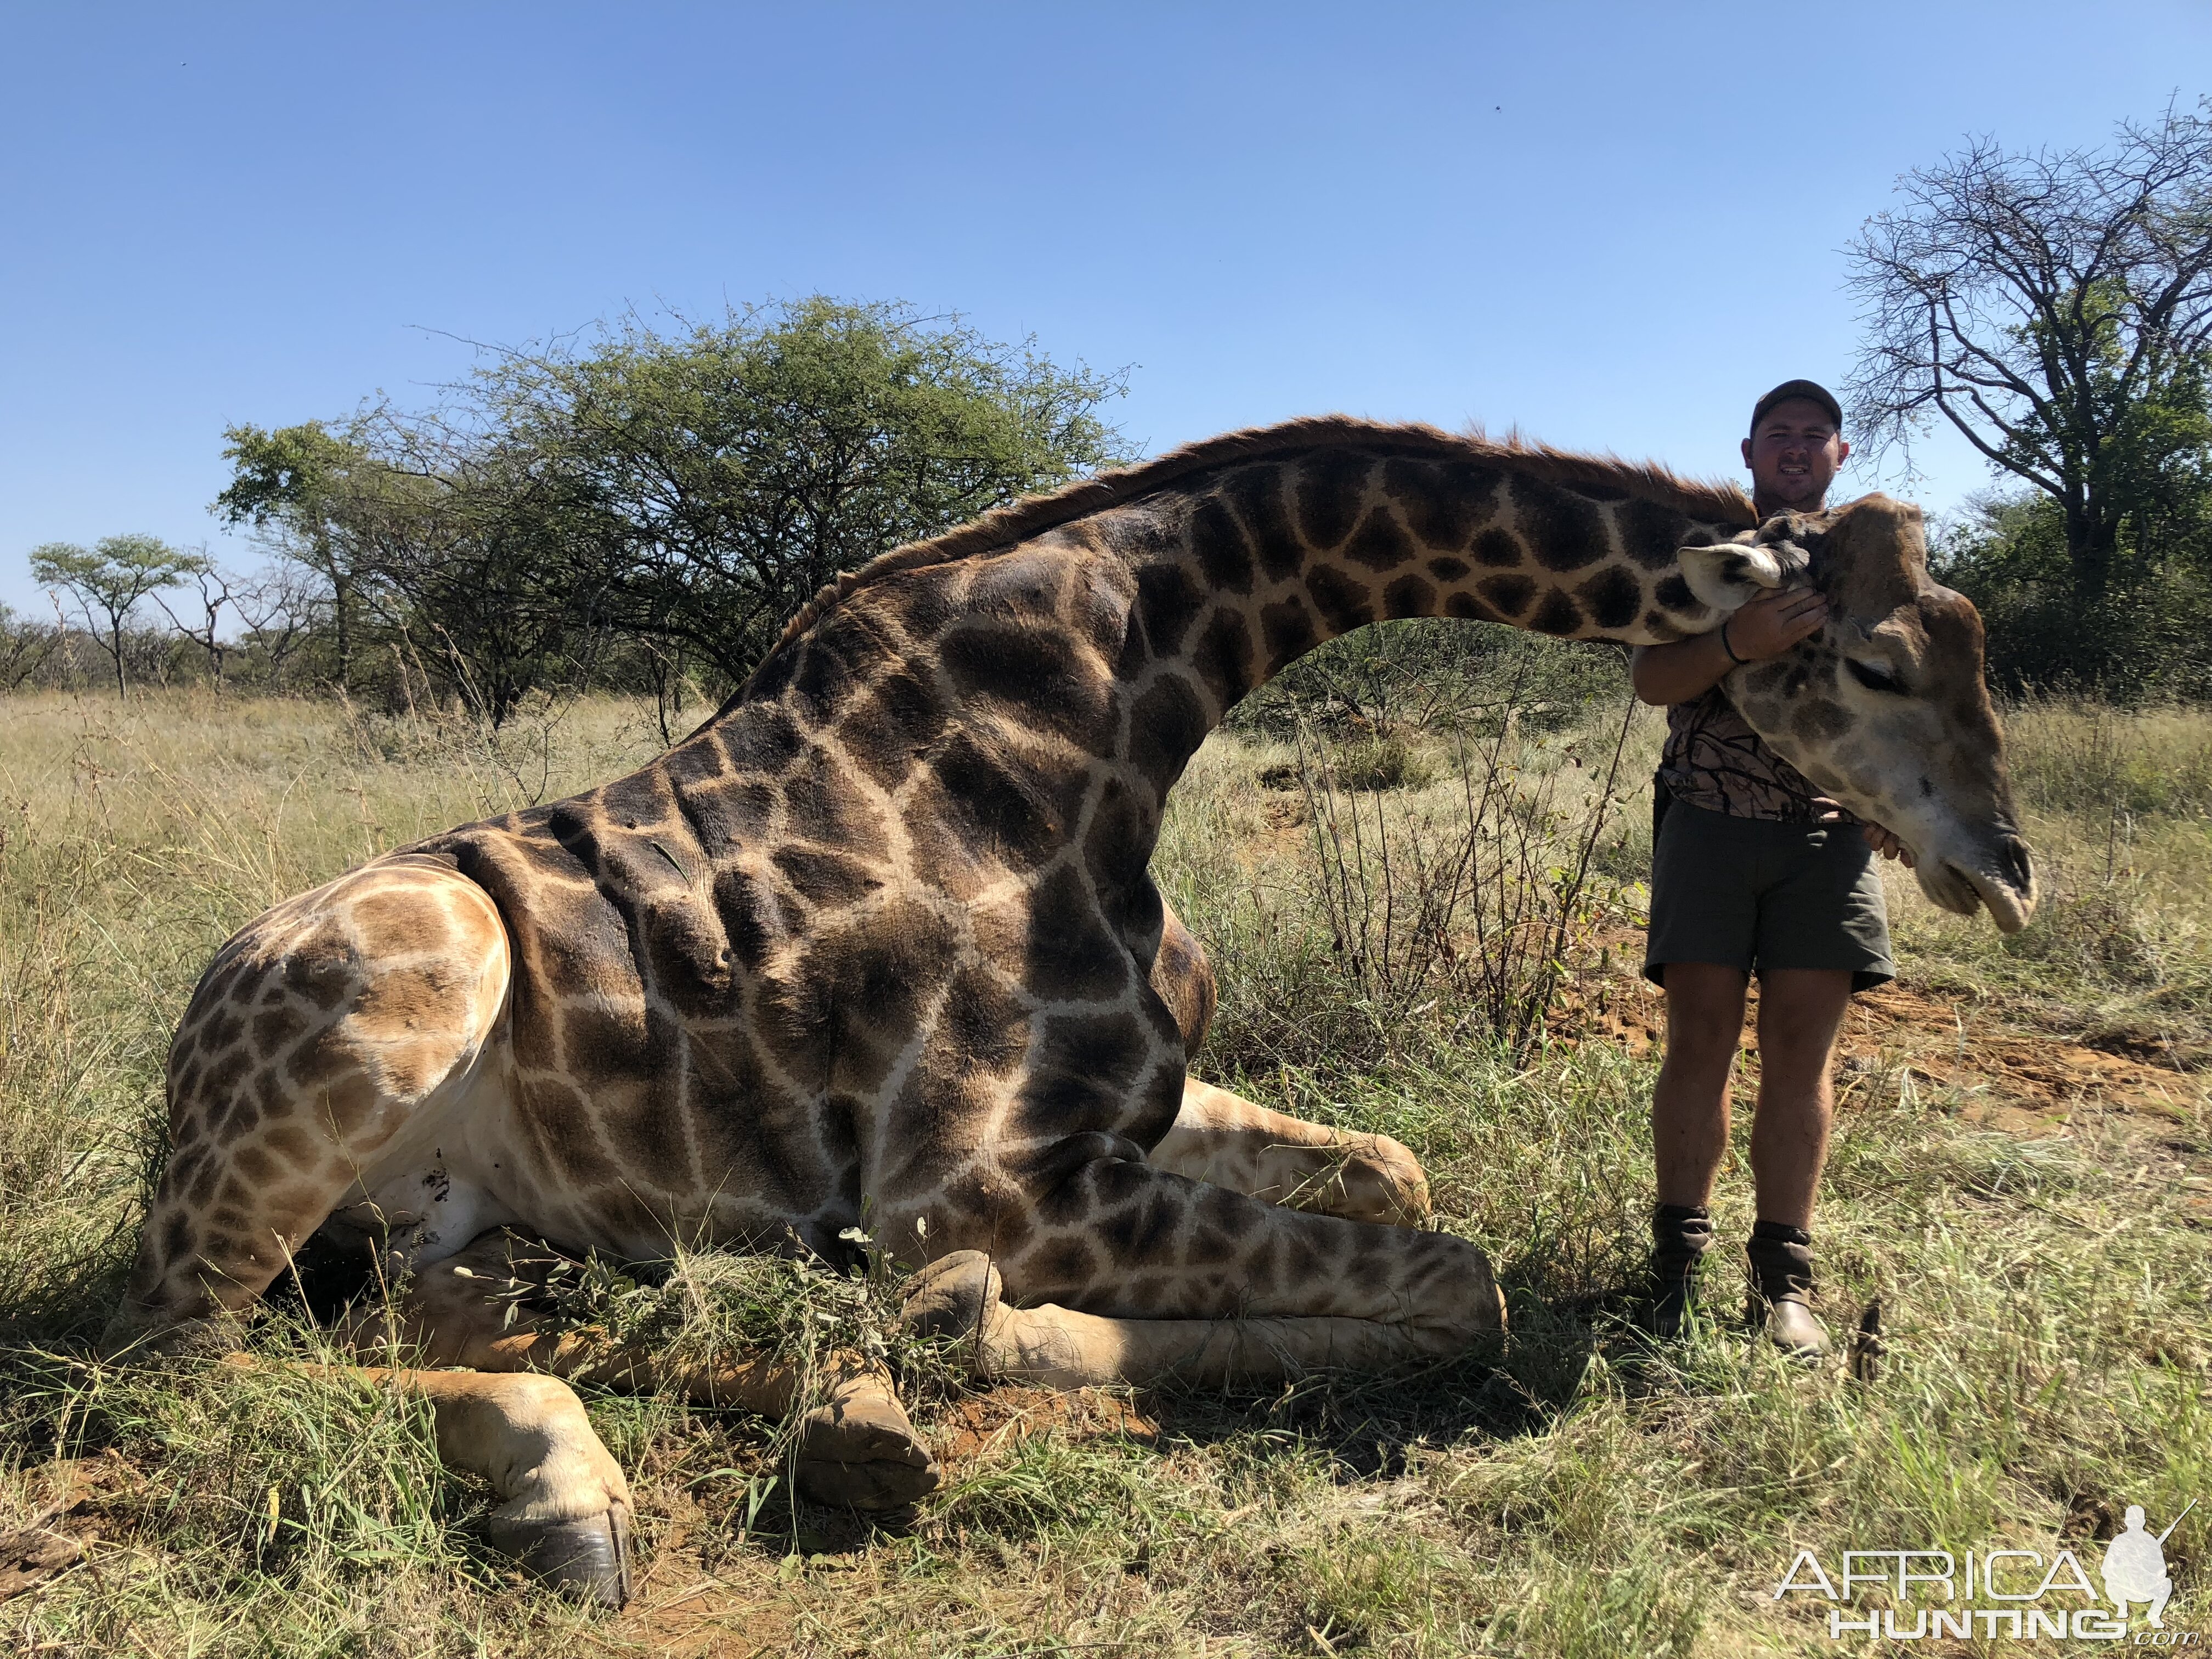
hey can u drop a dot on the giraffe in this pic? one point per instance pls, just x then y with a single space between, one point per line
877 944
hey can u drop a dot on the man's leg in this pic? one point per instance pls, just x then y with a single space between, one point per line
1799 1010
1690 1102
1690 1125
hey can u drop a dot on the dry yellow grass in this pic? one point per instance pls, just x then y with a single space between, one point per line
1572 1493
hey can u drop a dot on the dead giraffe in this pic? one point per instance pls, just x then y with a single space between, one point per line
879 940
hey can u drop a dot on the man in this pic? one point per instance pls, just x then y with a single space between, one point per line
1753 871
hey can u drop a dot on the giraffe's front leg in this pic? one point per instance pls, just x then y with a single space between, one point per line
1227 1141
1127 1239
1119 1238
963 1294
855 1445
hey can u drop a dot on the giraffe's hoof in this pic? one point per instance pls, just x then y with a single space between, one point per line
587 1559
874 1487
953 1296
859 1451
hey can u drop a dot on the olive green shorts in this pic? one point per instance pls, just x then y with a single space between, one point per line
1758 893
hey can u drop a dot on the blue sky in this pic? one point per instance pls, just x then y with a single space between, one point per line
1613 225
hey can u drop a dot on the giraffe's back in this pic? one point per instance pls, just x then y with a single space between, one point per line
866 931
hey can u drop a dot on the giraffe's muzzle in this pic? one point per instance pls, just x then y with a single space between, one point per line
2003 879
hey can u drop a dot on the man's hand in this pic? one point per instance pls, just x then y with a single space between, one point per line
1771 624
1887 844
1768 626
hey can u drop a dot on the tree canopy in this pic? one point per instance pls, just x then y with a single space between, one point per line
2055 308
678 494
709 481
108 581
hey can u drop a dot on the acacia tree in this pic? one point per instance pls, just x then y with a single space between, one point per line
2056 309
424 533
706 484
461 543
108 581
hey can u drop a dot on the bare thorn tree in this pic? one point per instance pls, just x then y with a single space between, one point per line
25 647
214 598
280 610
2040 304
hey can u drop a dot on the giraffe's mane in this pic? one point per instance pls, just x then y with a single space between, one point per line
1033 515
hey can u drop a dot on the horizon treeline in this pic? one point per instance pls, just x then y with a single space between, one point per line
631 509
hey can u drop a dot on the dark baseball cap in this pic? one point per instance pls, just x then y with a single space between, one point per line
1811 391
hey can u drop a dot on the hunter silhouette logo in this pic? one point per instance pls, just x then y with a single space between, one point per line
2000 1592
2135 1566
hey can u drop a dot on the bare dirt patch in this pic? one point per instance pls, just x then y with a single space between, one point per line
747 1606
974 1427
1902 1036
72 1498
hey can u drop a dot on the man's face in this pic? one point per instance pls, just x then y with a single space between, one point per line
1794 455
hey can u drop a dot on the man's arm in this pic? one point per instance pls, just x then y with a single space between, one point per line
1766 627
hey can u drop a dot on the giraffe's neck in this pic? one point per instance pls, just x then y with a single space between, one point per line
1249 568
1005 710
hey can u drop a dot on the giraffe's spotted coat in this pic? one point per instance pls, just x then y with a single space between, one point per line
880 943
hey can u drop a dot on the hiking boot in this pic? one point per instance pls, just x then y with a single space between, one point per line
1782 1288
1680 1234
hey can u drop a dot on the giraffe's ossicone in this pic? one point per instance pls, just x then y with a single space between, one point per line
877 944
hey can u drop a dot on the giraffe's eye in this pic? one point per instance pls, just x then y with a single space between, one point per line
1875 676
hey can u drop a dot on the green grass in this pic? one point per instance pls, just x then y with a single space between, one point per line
1567 1491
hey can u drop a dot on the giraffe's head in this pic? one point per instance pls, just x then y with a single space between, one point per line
1885 708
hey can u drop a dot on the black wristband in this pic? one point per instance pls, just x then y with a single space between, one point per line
1726 647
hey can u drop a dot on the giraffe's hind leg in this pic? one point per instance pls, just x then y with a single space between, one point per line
326 1040
855 1445
564 1509
1225 1141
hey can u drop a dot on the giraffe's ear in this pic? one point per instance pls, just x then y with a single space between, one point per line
1730 573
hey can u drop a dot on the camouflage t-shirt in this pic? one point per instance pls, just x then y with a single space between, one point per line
1714 760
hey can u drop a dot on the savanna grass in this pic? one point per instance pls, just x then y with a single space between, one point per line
2118 804
1568 1490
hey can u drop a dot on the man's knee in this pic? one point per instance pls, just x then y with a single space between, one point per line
1704 1011
1799 1054
1800 1012
1705 1058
